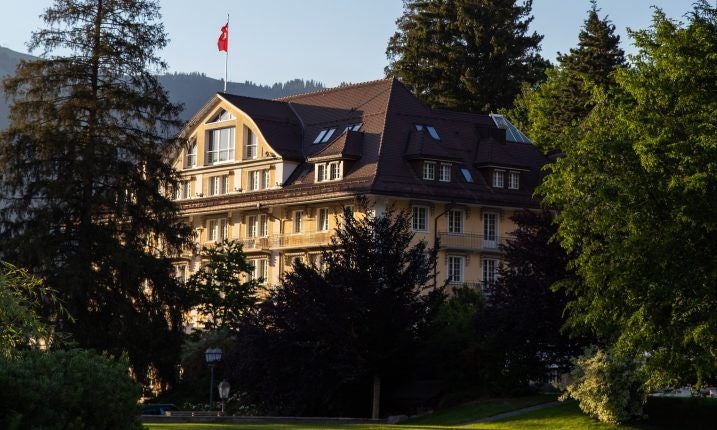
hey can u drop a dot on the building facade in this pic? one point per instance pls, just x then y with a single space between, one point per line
275 175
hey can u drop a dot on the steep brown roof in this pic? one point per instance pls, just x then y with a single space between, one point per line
387 144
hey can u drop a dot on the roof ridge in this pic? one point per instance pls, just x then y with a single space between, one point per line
250 97
383 129
328 90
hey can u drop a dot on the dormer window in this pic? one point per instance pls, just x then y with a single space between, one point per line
250 145
430 129
324 135
220 147
498 178
513 180
328 171
429 170
191 159
444 172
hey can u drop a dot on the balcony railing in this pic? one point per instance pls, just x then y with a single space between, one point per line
287 241
254 243
470 242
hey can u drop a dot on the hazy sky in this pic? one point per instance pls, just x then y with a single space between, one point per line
327 40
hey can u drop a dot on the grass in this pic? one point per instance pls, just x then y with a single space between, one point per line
566 416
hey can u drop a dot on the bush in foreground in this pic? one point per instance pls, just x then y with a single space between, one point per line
67 390
607 386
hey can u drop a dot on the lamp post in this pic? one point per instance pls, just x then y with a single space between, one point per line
224 392
212 356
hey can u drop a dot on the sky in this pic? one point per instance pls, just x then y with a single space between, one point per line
331 41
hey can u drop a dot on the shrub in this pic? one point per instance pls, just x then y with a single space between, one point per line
607 386
67 390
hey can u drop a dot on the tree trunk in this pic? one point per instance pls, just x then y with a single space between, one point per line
376 396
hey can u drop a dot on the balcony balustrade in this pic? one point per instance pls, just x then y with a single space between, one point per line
470 241
287 241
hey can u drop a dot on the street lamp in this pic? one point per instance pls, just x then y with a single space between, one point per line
212 356
223 392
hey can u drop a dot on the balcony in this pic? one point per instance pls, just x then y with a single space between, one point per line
255 243
470 242
287 241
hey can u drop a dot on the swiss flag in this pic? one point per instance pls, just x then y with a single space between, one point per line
223 42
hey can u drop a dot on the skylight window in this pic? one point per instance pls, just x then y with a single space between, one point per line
324 135
512 134
431 130
467 175
354 127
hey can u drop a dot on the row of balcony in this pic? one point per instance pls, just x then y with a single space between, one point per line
453 241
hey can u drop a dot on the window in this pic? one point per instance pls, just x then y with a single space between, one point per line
250 151
490 230
514 180
223 115
354 127
320 172
429 170
334 171
263 226
498 178
322 220
191 160
324 135
467 175
220 147
431 130
444 173
455 221
298 215
217 230
254 183
419 219
490 270
265 179
218 185
260 272
251 226
455 269
180 272
183 190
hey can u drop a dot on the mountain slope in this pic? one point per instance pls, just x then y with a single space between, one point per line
190 89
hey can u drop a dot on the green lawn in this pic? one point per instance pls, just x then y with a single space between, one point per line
483 408
562 417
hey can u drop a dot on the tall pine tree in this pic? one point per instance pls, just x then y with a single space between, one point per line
465 54
83 168
551 112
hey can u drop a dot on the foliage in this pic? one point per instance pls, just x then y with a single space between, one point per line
637 207
521 325
67 390
451 350
551 112
221 296
608 386
324 334
21 299
464 54
84 170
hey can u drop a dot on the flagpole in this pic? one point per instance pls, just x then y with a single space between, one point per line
226 62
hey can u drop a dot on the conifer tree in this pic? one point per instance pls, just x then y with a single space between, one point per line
465 55
84 166
550 112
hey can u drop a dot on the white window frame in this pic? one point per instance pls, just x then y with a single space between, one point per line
498 178
298 221
513 180
320 172
444 172
218 185
490 230
181 272
216 229
252 226
265 183
322 219
455 269
419 221
456 221
429 170
191 158
224 153
334 170
263 226
254 180
251 145
489 270
260 272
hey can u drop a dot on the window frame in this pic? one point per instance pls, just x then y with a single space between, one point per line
487 273
451 220
190 160
455 262
211 151
298 222
429 171
415 220
513 180
498 178
445 168
322 220
251 145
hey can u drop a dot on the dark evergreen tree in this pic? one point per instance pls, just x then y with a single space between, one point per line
465 54
324 337
522 323
84 169
551 112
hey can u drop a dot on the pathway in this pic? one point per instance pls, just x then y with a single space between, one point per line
514 413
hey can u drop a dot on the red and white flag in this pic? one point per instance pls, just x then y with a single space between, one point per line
223 42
